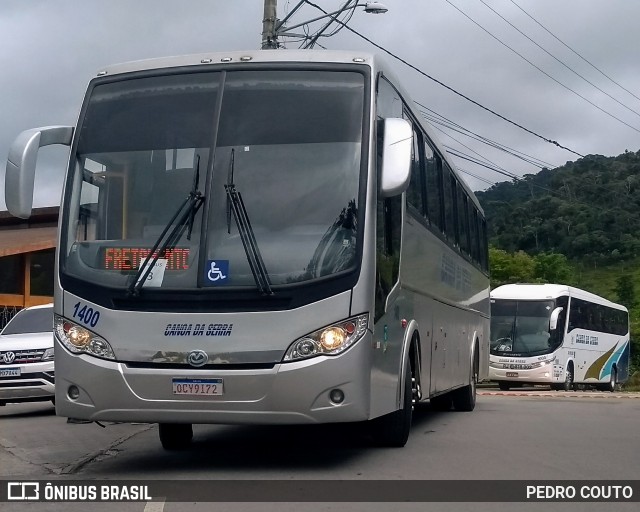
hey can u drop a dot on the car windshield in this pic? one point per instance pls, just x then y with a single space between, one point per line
30 321
521 328
145 144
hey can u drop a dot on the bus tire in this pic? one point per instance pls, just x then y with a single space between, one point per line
175 436
613 381
464 399
503 385
568 378
393 429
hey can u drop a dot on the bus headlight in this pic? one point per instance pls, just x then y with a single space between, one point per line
80 340
331 340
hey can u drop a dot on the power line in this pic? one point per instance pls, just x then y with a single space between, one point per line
406 63
558 60
540 69
575 52
484 140
480 178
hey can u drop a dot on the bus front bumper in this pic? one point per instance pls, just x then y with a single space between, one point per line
288 393
541 375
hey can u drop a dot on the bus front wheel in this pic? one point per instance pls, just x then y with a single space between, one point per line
504 386
175 436
393 429
568 378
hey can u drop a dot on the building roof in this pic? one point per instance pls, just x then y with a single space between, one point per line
19 241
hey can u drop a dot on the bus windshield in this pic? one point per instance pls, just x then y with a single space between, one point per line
521 328
289 142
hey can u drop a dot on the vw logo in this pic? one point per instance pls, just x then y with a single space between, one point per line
9 357
197 358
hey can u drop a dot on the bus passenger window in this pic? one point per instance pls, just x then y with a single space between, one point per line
434 187
389 218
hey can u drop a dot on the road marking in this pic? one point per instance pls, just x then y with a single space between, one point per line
157 505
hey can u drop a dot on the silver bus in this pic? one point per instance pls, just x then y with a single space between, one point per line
262 237
557 335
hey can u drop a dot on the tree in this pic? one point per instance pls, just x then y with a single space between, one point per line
510 268
552 268
625 291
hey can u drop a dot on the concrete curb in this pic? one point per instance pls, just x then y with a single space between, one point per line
562 394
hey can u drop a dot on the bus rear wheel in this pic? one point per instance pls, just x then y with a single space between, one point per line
175 436
613 381
464 399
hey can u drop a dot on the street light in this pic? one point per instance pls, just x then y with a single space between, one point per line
280 30
375 8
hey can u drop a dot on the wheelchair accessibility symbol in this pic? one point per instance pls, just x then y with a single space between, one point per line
217 271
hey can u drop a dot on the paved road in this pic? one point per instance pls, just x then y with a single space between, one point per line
541 436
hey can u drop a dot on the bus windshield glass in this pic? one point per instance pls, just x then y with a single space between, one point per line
289 142
521 328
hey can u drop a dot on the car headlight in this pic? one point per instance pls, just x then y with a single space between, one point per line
80 340
48 354
331 340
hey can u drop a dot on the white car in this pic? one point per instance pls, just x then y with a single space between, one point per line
26 356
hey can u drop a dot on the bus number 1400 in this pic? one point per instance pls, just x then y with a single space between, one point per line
87 315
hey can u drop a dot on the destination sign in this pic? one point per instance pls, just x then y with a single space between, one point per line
129 258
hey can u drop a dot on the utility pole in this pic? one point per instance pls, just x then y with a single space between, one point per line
269 20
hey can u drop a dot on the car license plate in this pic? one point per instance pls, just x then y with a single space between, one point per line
512 374
9 372
206 387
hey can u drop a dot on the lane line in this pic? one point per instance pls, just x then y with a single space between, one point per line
157 505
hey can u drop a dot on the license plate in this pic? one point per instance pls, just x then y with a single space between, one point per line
512 374
198 387
9 372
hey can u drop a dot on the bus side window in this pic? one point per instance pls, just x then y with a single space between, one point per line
434 187
558 335
389 220
449 204
415 193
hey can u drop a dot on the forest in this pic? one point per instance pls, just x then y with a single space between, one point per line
588 210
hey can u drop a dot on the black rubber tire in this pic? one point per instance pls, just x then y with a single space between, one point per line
393 429
613 381
175 436
464 399
568 378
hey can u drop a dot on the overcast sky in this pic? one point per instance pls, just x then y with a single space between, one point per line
50 49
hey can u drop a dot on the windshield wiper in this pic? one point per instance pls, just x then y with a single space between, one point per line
185 215
247 236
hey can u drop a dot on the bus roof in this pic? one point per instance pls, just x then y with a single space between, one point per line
243 57
530 291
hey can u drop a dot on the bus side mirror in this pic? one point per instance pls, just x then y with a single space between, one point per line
396 157
553 320
21 165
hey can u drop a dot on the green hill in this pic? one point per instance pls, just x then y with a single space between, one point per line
588 210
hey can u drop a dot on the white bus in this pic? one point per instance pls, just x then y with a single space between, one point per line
266 237
557 335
